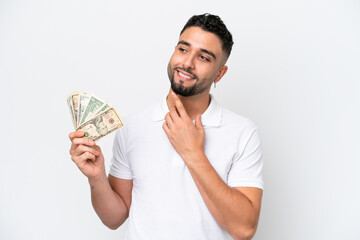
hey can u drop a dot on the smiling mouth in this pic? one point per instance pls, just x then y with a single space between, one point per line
185 77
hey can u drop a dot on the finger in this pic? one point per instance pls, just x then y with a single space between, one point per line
166 129
82 148
80 141
97 148
198 122
83 141
174 114
86 156
89 156
168 120
81 160
77 134
179 106
71 136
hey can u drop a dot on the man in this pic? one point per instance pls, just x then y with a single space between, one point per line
186 168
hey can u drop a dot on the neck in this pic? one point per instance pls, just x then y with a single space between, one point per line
193 105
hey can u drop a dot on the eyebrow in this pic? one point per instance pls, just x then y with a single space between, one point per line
201 49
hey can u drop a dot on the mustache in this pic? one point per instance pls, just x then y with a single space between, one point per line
188 70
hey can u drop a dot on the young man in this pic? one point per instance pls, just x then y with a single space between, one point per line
186 168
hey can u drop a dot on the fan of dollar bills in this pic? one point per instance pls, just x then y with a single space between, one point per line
92 115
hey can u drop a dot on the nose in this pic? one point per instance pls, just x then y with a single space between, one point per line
189 61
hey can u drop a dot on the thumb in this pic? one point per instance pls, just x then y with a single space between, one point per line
198 122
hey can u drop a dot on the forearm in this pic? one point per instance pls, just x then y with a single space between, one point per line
108 205
232 210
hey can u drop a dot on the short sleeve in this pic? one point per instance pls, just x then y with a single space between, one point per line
246 169
120 166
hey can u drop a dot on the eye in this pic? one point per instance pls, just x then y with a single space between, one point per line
205 58
182 49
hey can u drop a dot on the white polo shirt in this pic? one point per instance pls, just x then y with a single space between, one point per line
166 203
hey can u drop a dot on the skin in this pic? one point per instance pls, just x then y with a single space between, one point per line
111 197
207 68
235 209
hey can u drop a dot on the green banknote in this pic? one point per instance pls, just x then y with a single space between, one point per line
101 125
92 107
92 115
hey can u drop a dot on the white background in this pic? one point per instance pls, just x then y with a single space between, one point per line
294 71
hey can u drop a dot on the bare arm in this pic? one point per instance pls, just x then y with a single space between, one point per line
235 209
111 197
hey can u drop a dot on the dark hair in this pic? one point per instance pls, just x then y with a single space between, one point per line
214 24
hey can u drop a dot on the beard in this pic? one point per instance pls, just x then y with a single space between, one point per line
180 89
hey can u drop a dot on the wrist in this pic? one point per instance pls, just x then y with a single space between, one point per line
194 157
97 179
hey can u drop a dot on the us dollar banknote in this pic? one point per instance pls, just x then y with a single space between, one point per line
75 105
101 125
83 102
93 105
71 108
92 115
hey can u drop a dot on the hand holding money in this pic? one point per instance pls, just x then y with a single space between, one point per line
93 116
87 156
93 119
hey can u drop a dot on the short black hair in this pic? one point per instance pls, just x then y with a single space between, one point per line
214 24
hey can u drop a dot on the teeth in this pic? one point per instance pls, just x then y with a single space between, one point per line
185 76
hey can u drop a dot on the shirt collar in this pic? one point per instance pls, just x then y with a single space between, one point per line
211 117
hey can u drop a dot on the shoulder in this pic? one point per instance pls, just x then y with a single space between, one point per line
236 122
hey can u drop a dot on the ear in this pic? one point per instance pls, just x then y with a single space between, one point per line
221 73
